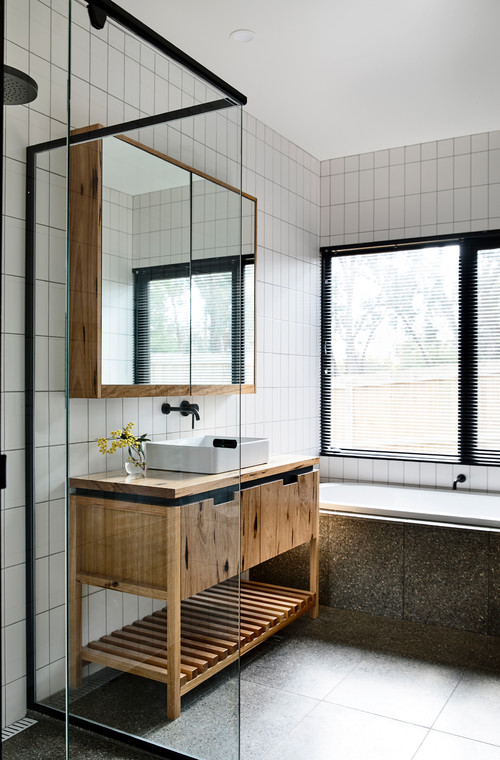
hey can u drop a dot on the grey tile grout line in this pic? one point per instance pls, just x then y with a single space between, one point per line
431 728
269 753
421 744
465 738
462 674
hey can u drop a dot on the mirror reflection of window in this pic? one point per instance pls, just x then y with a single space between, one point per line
194 321
217 302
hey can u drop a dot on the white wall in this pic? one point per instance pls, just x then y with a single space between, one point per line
122 80
432 188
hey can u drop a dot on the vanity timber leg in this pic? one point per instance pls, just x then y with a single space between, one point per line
314 551
75 603
173 549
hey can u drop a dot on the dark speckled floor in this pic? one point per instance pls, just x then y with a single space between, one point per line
370 687
45 740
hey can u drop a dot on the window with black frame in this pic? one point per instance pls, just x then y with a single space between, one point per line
411 349
195 320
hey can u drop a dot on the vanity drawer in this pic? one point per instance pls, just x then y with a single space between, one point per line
276 517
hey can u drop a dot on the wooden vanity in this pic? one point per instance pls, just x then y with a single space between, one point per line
184 538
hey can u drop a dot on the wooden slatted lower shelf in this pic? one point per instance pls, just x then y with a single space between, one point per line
210 636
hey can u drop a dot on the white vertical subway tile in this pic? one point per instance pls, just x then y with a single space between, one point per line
397 180
412 178
14 526
479 168
365 470
462 145
444 206
479 202
396 472
428 176
15 645
336 468
478 478
15 700
462 204
493 479
42 640
444 475
462 170
494 166
14 594
380 471
428 208
493 201
479 142
427 474
412 211
350 469
351 164
366 185
13 361
351 187
445 148
411 473
57 633
381 158
412 153
396 156
444 173
366 161
396 213
381 214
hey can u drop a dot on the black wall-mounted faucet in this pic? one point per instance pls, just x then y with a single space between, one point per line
185 409
459 479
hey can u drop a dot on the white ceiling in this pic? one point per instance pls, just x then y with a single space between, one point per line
347 76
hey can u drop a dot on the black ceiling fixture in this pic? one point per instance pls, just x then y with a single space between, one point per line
97 16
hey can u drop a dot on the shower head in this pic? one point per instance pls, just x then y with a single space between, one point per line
18 88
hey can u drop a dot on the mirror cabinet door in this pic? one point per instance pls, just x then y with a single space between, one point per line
162 276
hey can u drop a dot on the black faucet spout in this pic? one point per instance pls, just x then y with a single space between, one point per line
185 409
459 479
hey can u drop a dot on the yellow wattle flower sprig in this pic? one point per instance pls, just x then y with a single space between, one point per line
120 439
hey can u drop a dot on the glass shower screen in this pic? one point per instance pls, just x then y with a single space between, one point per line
143 567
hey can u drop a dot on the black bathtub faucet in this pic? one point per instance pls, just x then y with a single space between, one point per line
459 479
185 409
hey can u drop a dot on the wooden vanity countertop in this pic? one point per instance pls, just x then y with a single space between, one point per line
168 484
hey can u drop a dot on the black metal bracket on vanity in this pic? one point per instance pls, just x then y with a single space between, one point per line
219 495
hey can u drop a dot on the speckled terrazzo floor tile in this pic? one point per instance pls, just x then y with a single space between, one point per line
446 577
397 687
45 740
311 668
331 732
129 703
267 716
366 566
403 637
208 728
473 710
438 746
494 586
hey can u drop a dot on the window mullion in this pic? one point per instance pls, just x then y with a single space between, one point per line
326 353
468 352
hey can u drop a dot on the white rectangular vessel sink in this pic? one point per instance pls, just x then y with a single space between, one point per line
209 454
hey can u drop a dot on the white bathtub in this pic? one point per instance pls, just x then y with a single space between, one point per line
415 504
